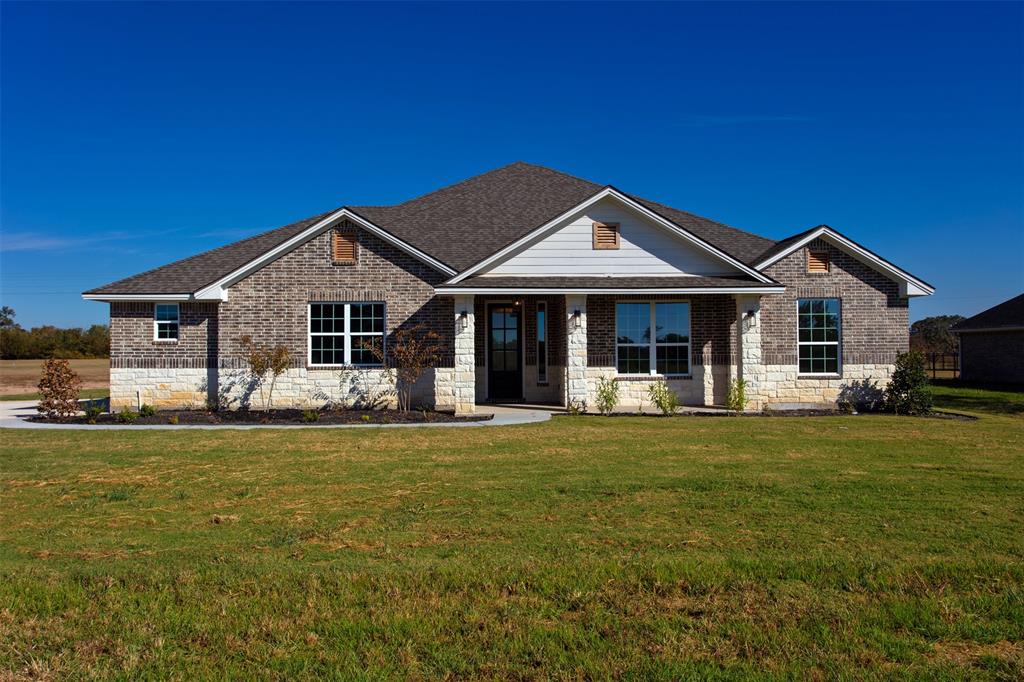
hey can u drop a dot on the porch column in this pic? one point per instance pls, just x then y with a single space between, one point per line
465 360
751 367
576 350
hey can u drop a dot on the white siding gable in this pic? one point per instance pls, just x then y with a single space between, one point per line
645 249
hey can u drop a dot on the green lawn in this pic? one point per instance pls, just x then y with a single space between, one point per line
952 394
582 548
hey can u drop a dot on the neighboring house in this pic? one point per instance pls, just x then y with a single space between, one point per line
537 282
992 343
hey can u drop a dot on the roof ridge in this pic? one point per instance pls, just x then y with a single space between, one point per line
449 186
415 210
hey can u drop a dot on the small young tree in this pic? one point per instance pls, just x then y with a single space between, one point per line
664 398
58 389
736 400
908 391
266 361
411 352
607 395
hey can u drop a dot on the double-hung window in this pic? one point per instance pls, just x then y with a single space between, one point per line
165 322
346 334
668 346
818 332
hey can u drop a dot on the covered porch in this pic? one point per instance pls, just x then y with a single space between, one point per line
540 344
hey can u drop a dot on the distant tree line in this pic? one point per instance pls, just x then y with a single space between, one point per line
932 335
49 341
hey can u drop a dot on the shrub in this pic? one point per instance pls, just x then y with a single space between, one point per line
126 416
607 395
908 391
737 398
664 398
365 417
173 419
93 412
58 389
411 352
576 407
147 411
310 416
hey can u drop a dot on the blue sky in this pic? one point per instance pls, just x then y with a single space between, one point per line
132 135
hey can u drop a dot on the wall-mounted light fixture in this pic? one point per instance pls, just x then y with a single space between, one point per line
464 319
751 313
577 318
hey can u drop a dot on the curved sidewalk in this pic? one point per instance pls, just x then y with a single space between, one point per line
13 415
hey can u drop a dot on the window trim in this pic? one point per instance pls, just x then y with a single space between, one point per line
542 306
156 323
838 343
345 334
653 343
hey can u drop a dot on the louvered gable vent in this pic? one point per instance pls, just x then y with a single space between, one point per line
606 235
344 244
817 261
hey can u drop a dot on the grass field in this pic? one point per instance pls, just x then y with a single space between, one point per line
18 378
959 396
581 548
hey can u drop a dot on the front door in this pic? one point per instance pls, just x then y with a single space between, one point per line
504 361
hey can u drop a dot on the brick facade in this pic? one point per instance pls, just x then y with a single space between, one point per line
132 343
992 356
271 305
875 319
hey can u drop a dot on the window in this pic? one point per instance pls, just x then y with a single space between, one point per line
669 345
346 333
542 342
344 246
818 328
606 235
165 322
817 261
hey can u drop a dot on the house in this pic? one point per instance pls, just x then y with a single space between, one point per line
992 343
537 282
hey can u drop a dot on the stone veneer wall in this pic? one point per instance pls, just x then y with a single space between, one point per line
875 329
271 305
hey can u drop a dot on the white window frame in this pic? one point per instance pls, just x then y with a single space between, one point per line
542 306
653 344
838 343
157 323
346 334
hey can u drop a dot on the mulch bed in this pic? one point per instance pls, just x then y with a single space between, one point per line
282 417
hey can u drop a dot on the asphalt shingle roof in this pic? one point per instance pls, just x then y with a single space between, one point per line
1008 314
459 225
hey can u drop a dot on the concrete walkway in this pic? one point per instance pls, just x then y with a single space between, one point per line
13 415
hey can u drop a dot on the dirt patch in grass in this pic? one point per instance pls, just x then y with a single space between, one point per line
278 417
